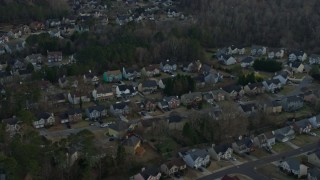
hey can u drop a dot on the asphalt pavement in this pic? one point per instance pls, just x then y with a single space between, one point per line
249 168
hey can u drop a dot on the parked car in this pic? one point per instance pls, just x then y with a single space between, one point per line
104 125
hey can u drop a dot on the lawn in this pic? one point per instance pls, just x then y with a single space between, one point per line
272 171
259 153
216 165
287 89
304 139
80 124
281 147
166 146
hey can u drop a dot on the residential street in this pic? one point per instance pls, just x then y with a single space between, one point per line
248 168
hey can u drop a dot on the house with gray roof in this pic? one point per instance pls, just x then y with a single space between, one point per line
148 86
314 157
118 129
96 112
282 76
220 152
195 158
294 166
168 65
264 140
297 55
284 134
121 108
12 125
242 145
148 174
272 85
314 59
247 62
314 173
258 50
292 103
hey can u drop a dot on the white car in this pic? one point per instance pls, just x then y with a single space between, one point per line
104 125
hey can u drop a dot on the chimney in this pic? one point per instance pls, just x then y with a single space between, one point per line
143 169
240 137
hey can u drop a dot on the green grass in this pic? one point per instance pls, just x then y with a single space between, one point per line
281 147
166 145
272 171
287 89
304 139
259 153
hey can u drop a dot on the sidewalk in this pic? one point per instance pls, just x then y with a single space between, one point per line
292 145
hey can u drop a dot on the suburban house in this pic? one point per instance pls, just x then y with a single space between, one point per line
258 50
163 105
72 116
314 173
220 152
102 92
213 78
273 107
205 69
96 112
315 121
234 91
168 66
284 134
172 166
43 119
191 98
311 96
195 158
292 103
132 146
303 126
63 82
56 99
175 122
236 50
247 62
192 67
219 95
226 59
173 101
254 88
119 129
125 91
275 53
294 166
150 173
243 145
148 105
112 76
264 140
76 97
248 108
282 76
151 70
131 73
208 97
314 157
148 86
199 81
296 66
90 78
54 57
12 125
272 85
36 60
297 56
121 108
314 59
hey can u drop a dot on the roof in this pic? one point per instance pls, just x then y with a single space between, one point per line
221 148
293 98
174 119
315 172
96 108
314 56
316 152
284 74
272 81
150 83
196 153
54 53
232 88
120 105
168 62
11 121
296 64
115 72
244 141
74 111
131 141
119 126
199 79
151 171
248 107
248 59
297 53
293 164
175 162
152 67
104 89
170 98
43 115
269 135
255 85
125 87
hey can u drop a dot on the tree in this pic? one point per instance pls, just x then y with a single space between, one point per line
267 65
30 67
121 154
26 116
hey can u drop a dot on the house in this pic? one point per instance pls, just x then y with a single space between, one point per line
12 125
249 108
125 91
205 69
294 166
131 73
43 119
275 53
102 93
199 81
148 86
195 158
302 126
168 66
56 99
314 59
54 57
163 105
315 121
112 76
297 66
150 173
63 82
175 122
119 129
284 134
292 103
151 70
172 166
243 145
191 98
14 46
258 50
192 67
220 152
173 101
272 85
16 64
208 97
273 107
247 62
122 19
90 78
213 78
121 108
96 112
132 145
236 50
219 95
254 88
311 96
77 97
24 74
5 77
36 60
227 59
148 105
234 91
314 157
72 116
282 76
264 140
314 173
297 56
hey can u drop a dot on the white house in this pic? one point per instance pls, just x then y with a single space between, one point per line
258 50
272 85
44 119
314 59
294 166
125 91
195 158
227 59
297 56
102 93
220 152
282 76
275 53
168 66
247 62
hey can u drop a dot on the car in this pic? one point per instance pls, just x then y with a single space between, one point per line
92 124
111 139
200 169
104 125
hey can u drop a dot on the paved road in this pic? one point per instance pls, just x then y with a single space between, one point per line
248 168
